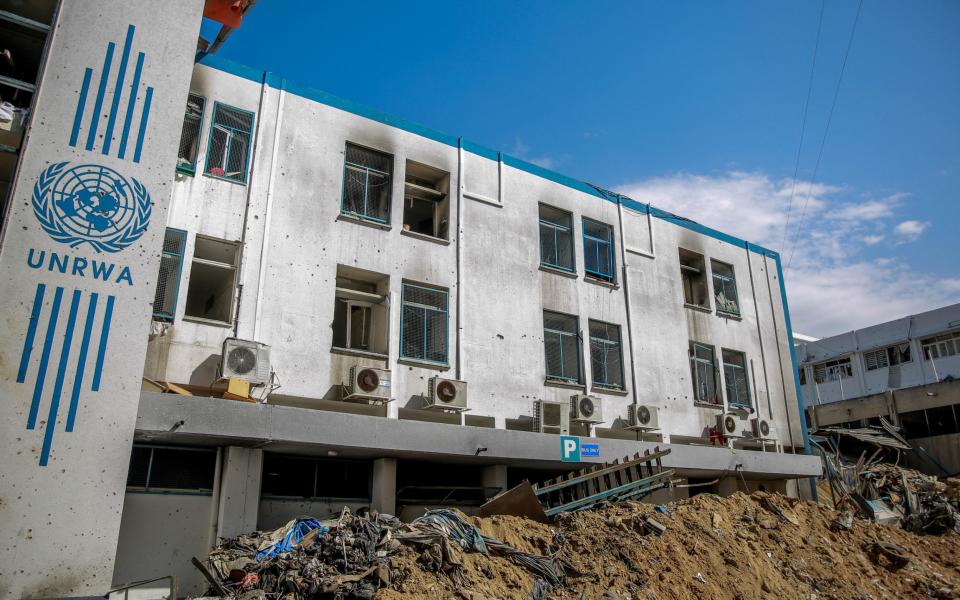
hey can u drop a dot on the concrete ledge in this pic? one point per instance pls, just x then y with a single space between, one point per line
212 421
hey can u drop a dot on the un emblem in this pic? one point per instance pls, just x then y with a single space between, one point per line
91 204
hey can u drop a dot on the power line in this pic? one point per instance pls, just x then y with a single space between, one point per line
803 125
823 142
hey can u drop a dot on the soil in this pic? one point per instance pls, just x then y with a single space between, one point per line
739 547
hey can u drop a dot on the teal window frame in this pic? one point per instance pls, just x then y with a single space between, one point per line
598 245
347 165
191 168
568 334
556 231
727 284
733 375
701 367
601 348
408 308
169 316
246 159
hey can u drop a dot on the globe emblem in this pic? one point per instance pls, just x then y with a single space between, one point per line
93 201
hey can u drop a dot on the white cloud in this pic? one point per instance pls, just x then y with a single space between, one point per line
832 287
908 231
521 150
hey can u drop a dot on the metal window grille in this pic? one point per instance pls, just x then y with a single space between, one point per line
941 346
168 281
367 183
832 370
229 146
598 250
556 239
190 135
704 372
725 289
606 355
735 378
424 320
561 339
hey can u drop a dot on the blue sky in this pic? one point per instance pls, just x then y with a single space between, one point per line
694 106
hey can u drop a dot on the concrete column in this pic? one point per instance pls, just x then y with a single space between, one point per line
239 491
729 485
384 497
494 476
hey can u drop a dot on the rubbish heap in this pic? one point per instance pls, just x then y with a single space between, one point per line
348 558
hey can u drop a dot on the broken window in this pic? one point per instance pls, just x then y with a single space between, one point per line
947 344
694 279
606 355
556 238
213 274
735 377
703 368
168 281
598 258
426 205
424 319
561 340
306 477
367 179
360 314
229 146
160 469
832 370
803 375
887 357
725 288
190 135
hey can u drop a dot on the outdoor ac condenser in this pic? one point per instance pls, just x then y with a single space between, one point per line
551 417
245 360
763 429
585 409
643 417
368 383
730 424
447 394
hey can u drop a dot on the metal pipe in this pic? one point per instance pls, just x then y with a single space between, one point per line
626 296
268 214
459 358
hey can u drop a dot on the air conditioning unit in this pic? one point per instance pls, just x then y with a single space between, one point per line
447 394
763 429
730 424
585 409
551 417
368 383
245 360
643 416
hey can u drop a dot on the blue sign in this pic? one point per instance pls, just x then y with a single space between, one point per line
590 450
569 448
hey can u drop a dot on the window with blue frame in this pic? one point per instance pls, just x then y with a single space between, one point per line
168 281
606 355
735 378
556 238
598 250
561 341
367 183
725 288
424 318
228 150
703 369
190 135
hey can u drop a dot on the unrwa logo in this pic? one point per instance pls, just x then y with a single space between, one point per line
91 204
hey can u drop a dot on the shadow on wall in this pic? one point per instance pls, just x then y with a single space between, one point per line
206 372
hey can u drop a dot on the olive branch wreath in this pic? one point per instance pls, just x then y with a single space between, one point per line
43 209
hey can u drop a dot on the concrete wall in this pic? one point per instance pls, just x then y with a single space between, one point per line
288 217
159 534
919 371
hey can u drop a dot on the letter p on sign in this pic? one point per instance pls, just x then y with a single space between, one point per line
569 448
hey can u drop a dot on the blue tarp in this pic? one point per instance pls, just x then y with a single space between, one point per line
291 538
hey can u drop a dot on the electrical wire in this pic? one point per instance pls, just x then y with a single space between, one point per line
803 123
826 131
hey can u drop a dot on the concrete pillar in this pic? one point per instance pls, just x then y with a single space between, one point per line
384 497
729 485
90 194
239 491
494 476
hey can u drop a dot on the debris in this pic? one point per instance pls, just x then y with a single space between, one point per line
654 526
699 577
896 556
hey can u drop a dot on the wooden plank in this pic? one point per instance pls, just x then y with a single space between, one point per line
520 501
615 466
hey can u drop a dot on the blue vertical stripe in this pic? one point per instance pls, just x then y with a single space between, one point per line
118 90
31 333
98 104
105 333
58 386
44 359
131 104
143 124
81 104
81 362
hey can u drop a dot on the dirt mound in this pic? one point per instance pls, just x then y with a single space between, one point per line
739 547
